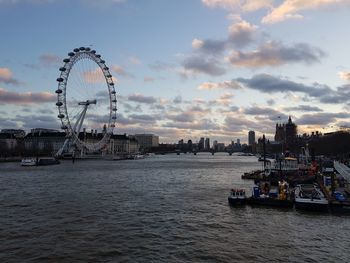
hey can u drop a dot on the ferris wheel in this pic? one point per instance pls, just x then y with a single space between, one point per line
86 100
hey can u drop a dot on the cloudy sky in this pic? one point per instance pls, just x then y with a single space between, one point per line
186 68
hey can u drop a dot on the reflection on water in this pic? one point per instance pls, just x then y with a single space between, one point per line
161 209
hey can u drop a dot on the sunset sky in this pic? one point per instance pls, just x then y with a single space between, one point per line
185 68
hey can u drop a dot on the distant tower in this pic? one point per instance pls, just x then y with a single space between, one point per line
290 134
207 144
280 133
251 137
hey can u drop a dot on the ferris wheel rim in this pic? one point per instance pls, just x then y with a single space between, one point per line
75 56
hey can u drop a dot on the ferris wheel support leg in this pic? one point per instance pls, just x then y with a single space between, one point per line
60 151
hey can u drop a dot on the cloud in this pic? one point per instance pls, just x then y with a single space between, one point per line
241 33
209 46
161 66
177 99
270 84
38 121
219 85
148 79
275 53
134 60
121 71
203 124
289 9
345 75
182 117
49 59
239 5
8 2
9 97
94 77
6 77
137 97
198 64
304 108
269 113
322 119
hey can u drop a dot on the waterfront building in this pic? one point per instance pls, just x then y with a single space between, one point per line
251 138
122 145
147 141
8 143
43 141
18 133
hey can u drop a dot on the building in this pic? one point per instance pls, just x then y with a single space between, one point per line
15 132
190 145
286 134
201 144
147 141
215 145
43 142
207 144
251 138
291 134
122 145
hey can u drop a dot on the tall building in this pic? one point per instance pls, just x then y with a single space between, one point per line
190 145
207 144
251 137
286 134
215 145
201 144
291 134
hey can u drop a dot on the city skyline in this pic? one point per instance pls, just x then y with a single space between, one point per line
185 69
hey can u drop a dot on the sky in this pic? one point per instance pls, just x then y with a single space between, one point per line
184 69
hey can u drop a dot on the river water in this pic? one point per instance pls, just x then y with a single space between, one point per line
160 209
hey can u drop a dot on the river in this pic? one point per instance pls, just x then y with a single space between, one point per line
169 208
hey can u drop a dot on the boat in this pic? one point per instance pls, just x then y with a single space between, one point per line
47 161
266 195
237 197
28 162
309 197
139 156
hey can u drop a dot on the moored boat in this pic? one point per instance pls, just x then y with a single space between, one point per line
265 195
39 161
309 197
237 197
28 162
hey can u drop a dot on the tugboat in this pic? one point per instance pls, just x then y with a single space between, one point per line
309 197
237 197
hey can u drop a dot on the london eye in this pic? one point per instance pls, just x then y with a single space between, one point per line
86 101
